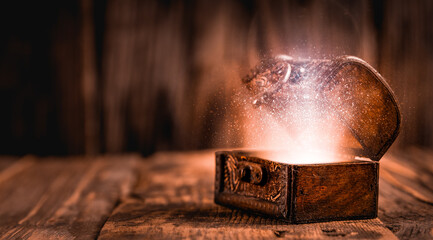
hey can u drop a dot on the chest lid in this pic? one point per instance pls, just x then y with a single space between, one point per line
346 87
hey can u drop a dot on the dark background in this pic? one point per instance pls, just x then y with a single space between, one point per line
89 77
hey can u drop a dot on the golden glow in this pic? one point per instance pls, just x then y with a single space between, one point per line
304 134
304 156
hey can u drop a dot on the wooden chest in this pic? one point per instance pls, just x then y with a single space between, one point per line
295 192
345 189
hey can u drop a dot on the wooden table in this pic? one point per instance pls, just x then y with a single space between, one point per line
170 196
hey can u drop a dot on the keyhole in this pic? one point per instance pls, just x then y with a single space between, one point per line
246 174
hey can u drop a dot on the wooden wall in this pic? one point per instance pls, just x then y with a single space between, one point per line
129 75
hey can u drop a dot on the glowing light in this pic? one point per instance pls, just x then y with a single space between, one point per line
305 156
296 129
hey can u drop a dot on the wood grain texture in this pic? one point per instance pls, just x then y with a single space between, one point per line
406 193
156 75
56 198
170 196
10 166
174 200
335 191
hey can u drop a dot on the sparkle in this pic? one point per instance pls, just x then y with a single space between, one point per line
288 118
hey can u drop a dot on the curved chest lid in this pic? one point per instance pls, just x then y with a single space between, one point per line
355 93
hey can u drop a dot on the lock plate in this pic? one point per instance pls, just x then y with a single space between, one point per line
251 173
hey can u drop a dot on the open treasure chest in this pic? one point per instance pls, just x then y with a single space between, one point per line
354 109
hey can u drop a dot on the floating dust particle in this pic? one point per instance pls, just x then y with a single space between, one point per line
281 109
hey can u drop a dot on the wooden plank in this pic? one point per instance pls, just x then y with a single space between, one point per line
62 198
6 161
9 166
173 199
406 193
89 79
